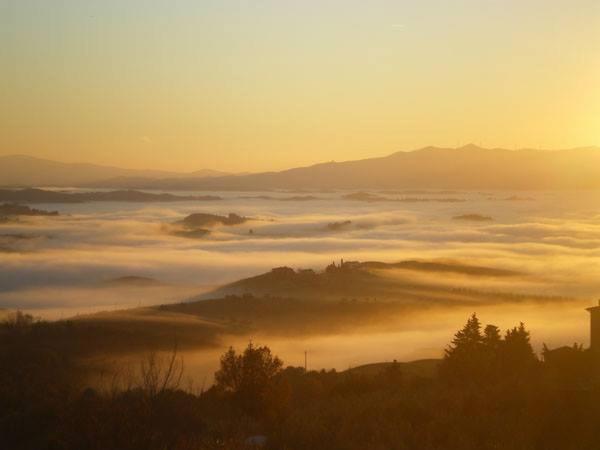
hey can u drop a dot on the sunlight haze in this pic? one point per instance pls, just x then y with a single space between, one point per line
267 85
300 224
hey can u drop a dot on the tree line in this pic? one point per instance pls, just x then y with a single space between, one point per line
490 391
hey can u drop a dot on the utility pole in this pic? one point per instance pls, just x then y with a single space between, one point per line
305 365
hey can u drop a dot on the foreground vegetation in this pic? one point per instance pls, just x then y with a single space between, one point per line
491 392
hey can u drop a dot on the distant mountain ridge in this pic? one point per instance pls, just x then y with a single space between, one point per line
28 171
465 168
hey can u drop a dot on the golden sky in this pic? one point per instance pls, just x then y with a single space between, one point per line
258 85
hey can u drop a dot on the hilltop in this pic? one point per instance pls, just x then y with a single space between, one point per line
370 279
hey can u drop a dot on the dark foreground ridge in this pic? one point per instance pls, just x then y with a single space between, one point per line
490 391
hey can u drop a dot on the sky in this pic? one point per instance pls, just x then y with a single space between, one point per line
265 85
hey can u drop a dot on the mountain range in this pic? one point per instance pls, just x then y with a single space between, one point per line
28 171
466 168
463 168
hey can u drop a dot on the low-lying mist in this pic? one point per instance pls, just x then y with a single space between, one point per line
555 238
57 267
410 336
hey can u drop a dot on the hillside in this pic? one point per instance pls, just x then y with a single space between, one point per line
370 280
287 302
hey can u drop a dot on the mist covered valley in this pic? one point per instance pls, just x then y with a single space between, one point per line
509 256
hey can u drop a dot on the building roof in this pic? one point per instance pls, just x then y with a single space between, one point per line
594 308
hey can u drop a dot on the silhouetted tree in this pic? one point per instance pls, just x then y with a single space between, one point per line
464 359
486 358
248 376
492 343
158 374
517 356
491 337
468 338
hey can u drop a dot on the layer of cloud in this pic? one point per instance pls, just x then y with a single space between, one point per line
554 239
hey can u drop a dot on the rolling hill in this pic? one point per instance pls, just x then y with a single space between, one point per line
370 280
287 302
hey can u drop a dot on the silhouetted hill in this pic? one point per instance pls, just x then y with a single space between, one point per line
22 170
45 196
338 226
12 209
365 197
197 225
284 301
448 267
464 168
133 281
349 295
370 280
473 218
206 220
423 368
150 182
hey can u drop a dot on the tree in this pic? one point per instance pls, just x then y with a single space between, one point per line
466 339
517 356
248 377
464 359
491 337
158 375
